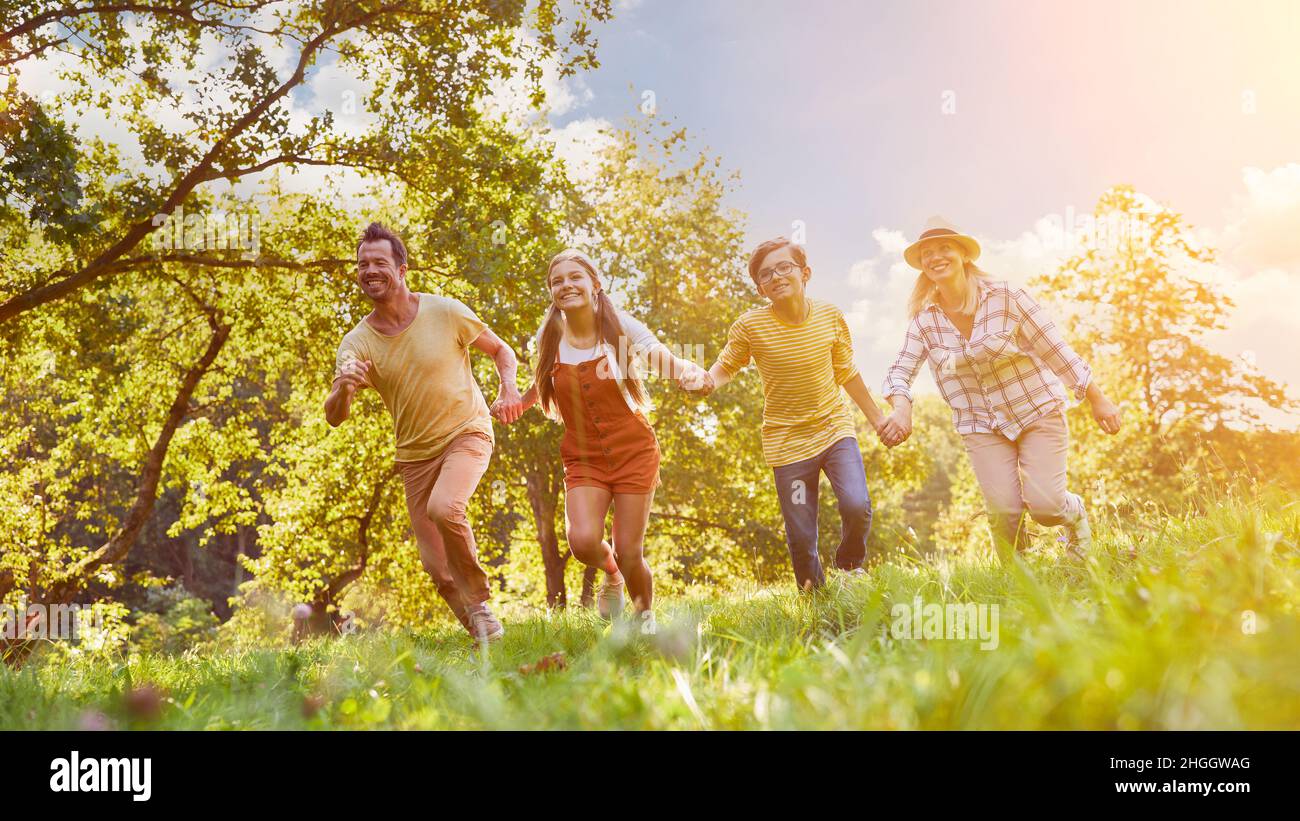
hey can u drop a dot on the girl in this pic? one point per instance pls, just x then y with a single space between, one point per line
585 376
997 359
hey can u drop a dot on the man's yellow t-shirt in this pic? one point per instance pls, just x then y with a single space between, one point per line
424 376
803 367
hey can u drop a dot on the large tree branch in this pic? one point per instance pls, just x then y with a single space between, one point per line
217 262
67 13
32 52
100 265
116 548
363 541
295 159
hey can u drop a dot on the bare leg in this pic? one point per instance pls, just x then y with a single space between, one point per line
631 514
585 509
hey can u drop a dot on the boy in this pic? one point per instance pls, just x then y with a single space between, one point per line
805 356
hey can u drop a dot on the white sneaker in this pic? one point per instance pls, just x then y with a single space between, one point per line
610 601
484 626
1078 534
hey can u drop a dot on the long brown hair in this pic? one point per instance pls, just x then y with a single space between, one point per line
608 328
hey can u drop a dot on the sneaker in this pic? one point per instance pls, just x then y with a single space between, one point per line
610 601
484 626
1078 534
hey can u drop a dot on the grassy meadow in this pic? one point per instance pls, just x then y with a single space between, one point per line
1185 623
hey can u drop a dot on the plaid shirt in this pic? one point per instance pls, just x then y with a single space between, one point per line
1001 380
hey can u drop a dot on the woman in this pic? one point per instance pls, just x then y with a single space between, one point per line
997 358
585 373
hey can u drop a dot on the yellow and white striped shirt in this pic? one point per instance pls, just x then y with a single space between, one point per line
803 367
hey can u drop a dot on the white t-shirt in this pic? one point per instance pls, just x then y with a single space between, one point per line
640 341
641 347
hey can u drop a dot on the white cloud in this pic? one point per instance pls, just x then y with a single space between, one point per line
512 97
1259 253
579 144
1264 316
877 318
1263 223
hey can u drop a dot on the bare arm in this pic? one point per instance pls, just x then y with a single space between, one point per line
857 390
668 365
338 405
1109 417
509 404
718 376
531 397
901 403
701 383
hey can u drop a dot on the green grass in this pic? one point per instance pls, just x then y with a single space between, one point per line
1153 633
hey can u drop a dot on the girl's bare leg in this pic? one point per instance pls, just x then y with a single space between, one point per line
585 509
631 514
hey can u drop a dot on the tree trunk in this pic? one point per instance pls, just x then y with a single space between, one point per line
240 547
325 617
543 498
589 586
117 547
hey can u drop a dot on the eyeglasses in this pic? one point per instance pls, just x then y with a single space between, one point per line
785 269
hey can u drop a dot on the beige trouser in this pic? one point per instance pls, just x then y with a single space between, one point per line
437 491
1027 475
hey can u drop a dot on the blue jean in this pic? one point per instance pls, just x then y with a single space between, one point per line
796 487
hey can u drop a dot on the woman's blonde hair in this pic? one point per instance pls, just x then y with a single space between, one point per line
924 291
608 327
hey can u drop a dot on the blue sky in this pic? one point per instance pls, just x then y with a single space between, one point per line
833 112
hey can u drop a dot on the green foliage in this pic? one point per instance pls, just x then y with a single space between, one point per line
1139 301
180 622
426 69
1179 622
38 175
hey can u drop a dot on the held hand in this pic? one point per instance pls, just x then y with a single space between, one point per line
509 405
354 374
895 429
697 381
888 434
1108 415
691 377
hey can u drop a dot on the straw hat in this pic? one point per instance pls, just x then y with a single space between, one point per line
913 252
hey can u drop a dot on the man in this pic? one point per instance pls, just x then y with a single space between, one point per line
804 355
413 348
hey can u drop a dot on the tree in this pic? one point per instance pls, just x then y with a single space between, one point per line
128 403
1140 299
133 389
428 63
